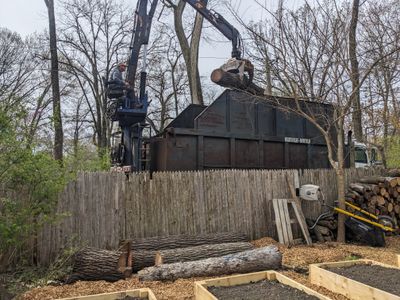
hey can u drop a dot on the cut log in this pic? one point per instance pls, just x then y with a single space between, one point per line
387 181
266 258
98 264
332 225
357 187
233 81
380 201
394 173
199 252
142 259
182 241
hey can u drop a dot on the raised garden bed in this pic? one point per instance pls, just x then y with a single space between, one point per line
398 260
358 279
256 285
138 294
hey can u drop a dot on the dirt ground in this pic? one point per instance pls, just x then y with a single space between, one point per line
295 260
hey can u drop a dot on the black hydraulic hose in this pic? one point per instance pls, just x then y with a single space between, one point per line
318 219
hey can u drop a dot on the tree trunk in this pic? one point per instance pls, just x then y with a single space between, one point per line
341 233
98 264
190 52
199 252
197 93
142 259
267 258
55 84
355 74
233 81
182 241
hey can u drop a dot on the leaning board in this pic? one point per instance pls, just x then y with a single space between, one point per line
139 293
202 293
320 275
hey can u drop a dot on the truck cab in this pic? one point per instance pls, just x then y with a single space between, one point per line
364 156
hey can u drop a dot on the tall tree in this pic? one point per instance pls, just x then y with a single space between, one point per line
94 37
190 49
55 84
355 73
310 51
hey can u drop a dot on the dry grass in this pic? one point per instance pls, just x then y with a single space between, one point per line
295 259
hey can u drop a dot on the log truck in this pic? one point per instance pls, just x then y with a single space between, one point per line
129 105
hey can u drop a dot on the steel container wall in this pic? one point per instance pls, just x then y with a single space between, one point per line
242 131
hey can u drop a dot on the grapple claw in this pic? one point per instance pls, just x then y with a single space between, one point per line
239 66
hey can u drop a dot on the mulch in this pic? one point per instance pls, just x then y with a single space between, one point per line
295 260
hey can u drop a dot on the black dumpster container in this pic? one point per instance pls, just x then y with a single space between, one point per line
242 131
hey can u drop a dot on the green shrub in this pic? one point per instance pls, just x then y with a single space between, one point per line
393 154
29 185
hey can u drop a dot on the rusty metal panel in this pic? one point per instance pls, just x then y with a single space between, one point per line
266 120
240 131
216 152
215 116
289 124
247 154
274 155
243 118
318 157
170 154
186 118
298 158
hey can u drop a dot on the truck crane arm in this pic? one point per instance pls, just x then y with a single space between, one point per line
128 107
236 64
141 33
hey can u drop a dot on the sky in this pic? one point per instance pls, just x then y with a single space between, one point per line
29 16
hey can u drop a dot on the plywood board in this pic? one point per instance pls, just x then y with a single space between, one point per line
320 275
141 293
202 293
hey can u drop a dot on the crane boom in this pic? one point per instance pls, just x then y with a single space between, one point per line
130 107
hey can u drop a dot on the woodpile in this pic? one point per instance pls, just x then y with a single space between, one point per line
377 195
324 229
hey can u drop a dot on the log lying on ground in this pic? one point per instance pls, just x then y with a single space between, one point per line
267 258
199 252
142 259
182 241
233 81
98 264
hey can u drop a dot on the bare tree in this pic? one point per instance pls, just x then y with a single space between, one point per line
310 51
355 73
55 84
380 31
167 80
93 38
17 65
189 44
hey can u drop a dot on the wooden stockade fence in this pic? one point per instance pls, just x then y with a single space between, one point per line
102 208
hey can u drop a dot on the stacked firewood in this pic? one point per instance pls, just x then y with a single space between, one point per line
323 229
378 195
